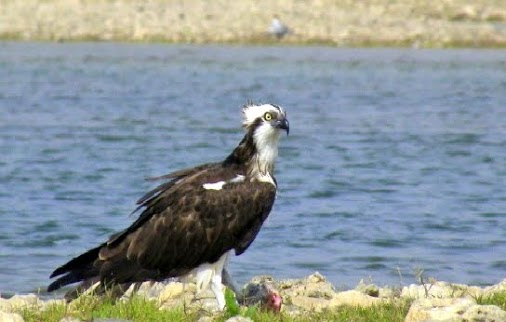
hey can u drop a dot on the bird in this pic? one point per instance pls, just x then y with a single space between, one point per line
193 221
277 28
261 291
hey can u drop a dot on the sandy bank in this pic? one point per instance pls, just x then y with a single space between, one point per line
342 23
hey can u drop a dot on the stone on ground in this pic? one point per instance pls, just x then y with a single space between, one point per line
454 310
10 317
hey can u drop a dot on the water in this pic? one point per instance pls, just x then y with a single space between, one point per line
396 159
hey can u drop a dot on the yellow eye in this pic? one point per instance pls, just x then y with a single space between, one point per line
267 116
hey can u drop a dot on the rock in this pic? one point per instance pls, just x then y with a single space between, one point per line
389 292
369 289
206 319
315 293
205 300
5 305
172 294
179 294
19 301
314 286
458 310
310 293
305 303
438 309
70 319
439 290
467 12
149 290
239 319
316 277
10 317
173 290
30 300
497 288
484 313
386 292
354 298
46 304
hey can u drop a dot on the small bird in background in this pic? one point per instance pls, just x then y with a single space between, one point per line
277 28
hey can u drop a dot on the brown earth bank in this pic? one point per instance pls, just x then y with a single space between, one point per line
430 301
417 23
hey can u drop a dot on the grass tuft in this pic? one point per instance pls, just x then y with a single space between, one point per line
498 299
140 309
231 306
88 308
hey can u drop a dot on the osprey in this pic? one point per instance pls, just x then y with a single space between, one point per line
191 223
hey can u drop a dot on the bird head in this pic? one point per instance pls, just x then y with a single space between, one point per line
259 148
261 291
265 121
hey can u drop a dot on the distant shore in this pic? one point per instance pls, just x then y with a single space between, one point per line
411 23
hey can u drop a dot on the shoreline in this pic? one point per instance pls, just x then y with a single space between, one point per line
303 299
374 23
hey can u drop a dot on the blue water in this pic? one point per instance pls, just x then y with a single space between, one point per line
396 159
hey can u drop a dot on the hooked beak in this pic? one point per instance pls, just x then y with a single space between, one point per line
283 124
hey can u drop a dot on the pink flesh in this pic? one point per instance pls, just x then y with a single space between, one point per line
274 302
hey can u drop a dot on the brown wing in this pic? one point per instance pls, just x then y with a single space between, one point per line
187 225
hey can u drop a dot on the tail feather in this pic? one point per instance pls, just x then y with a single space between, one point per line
82 288
79 262
115 274
65 280
80 268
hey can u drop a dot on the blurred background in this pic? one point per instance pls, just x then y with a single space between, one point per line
417 23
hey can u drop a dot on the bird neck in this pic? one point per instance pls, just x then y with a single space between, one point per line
257 157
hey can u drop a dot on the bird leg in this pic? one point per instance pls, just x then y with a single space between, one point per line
229 282
218 290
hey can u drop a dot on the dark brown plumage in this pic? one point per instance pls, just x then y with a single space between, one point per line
195 217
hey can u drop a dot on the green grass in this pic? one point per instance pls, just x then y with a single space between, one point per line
140 309
87 308
498 299
392 312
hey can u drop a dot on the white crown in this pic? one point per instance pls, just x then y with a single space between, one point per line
252 112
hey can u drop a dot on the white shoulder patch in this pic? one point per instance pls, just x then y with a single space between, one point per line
238 179
214 186
219 185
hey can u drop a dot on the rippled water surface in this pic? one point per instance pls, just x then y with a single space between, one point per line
396 159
